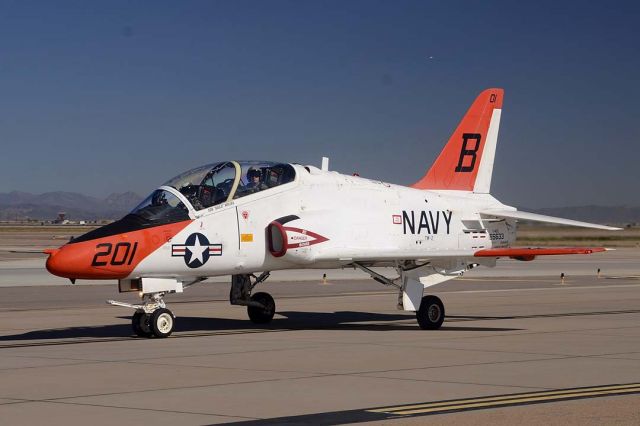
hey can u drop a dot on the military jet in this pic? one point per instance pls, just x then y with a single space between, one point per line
248 218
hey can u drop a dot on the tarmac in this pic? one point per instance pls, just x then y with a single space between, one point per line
518 346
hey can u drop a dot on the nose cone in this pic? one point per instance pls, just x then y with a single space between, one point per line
77 261
62 262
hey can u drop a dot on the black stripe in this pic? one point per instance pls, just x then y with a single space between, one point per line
129 223
285 219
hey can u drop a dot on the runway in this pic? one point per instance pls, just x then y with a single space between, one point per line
515 349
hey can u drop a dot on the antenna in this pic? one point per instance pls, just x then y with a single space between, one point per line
325 164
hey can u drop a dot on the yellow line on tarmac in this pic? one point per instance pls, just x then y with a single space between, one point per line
496 401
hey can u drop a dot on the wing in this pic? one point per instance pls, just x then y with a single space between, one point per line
515 214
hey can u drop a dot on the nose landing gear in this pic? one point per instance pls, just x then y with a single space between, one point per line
152 318
161 322
140 324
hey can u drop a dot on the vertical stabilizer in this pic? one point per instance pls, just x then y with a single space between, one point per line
466 162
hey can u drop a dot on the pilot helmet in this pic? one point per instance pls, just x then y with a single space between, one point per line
253 172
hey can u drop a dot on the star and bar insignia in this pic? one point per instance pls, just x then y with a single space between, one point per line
196 250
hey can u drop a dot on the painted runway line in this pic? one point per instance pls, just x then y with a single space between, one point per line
509 400
399 412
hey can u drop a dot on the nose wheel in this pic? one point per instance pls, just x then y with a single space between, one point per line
152 318
159 323
162 321
140 324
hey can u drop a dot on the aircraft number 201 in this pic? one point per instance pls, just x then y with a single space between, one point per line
107 254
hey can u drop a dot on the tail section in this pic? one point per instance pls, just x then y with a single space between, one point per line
466 162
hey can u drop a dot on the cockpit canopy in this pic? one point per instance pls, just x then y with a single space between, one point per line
210 185
217 183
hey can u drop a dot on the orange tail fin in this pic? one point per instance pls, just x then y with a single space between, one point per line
466 162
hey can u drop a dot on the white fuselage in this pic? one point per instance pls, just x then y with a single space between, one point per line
362 220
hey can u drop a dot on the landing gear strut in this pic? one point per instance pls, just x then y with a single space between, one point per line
261 307
429 309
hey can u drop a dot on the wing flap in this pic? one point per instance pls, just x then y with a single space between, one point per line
515 214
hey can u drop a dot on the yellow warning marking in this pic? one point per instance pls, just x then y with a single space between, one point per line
246 238
496 401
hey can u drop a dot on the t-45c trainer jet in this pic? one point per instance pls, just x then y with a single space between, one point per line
246 218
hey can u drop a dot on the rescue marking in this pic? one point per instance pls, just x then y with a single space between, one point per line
298 237
196 250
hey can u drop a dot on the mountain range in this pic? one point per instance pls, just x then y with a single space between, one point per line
17 205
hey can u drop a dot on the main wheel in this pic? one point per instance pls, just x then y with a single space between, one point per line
140 324
431 313
161 322
259 314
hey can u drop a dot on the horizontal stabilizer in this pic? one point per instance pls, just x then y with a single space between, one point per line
515 214
526 253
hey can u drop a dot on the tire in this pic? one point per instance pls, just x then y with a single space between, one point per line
140 324
260 315
162 322
431 313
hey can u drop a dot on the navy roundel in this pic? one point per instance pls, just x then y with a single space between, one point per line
196 250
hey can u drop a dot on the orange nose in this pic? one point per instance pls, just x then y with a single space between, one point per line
77 261
55 263
63 262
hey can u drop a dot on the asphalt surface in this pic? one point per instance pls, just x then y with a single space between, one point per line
525 349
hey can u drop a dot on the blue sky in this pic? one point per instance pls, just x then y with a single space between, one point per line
101 97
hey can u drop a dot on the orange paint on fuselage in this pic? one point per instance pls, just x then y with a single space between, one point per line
112 257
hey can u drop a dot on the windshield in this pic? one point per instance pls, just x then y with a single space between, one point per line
191 177
161 207
216 183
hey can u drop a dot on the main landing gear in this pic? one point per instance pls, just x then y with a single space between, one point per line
430 315
261 307
429 309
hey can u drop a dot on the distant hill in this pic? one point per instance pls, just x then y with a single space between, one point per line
23 205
